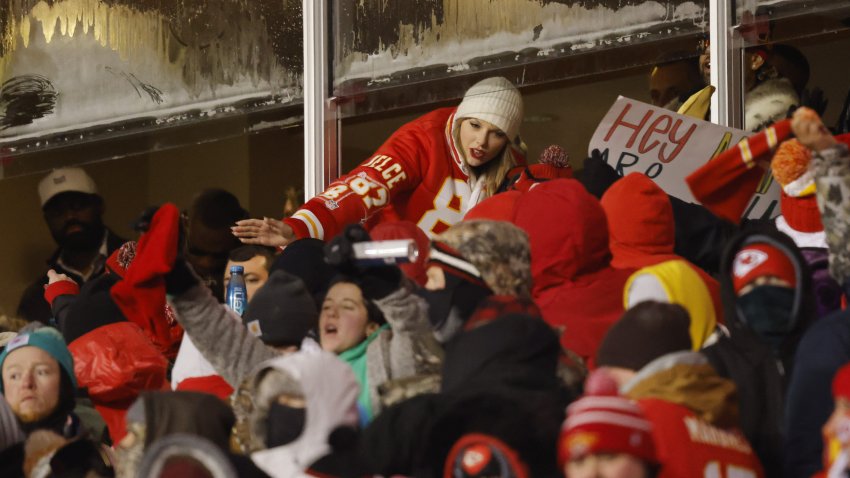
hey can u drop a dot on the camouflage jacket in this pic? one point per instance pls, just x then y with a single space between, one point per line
831 168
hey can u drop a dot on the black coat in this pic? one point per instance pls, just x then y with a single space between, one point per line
32 305
824 349
760 374
498 379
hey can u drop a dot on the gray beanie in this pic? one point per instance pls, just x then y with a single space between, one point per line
494 100
499 250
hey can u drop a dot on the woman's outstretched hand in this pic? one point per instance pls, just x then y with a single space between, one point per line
266 232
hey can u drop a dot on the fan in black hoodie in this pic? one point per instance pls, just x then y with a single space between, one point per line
757 349
498 379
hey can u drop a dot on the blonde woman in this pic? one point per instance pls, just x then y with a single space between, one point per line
430 172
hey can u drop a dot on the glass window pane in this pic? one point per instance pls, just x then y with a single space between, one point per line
398 54
77 71
800 41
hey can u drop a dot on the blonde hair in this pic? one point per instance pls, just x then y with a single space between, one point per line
496 170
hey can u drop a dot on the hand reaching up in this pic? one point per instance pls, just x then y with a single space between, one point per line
810 131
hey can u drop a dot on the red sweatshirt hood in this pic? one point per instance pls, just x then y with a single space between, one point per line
640 221
567 230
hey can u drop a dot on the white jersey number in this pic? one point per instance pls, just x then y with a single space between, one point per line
449 207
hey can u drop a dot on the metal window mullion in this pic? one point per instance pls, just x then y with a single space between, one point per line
726 66
320 122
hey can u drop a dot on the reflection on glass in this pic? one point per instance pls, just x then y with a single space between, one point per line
385 44
82 64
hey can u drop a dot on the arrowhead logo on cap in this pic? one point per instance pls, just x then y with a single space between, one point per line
748 260
476 458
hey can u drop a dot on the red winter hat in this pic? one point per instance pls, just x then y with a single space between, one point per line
726 183
759 260
605 424
841 383
554 163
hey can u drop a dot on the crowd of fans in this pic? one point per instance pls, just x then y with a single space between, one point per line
550 326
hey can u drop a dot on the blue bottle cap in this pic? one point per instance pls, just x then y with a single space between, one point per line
237 269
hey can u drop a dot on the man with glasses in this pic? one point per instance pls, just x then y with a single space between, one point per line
73 212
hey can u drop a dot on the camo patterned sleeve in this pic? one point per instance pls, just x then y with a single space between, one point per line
831 168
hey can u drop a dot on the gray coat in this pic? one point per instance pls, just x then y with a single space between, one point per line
407 349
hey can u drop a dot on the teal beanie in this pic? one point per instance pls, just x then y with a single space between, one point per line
47 339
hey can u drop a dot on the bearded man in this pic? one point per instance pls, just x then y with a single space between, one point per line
73 212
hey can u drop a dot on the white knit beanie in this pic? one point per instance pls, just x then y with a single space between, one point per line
494 100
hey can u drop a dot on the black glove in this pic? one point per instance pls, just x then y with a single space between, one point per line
597 175
375 281
182 277
143 222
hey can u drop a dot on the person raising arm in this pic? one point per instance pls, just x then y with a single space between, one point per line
430 172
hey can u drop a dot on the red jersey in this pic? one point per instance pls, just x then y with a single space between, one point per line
688 446
416 175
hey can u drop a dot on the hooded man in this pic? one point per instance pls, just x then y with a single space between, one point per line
575 285
765 286
469 262
300 400
675 282
642 230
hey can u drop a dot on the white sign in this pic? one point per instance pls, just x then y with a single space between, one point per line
667 147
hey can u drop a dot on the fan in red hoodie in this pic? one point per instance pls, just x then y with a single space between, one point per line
642 230
574 284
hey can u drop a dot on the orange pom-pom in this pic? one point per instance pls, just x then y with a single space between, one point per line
790 161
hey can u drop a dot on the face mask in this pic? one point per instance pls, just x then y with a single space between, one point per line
767 311
450 307
285 424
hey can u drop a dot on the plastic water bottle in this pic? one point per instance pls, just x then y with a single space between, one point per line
237 294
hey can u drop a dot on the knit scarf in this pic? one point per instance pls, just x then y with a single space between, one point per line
356 358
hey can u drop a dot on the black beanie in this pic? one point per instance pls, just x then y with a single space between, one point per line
305 259
644 333
282 311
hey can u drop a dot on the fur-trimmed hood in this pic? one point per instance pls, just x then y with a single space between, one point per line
768 103
686 378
